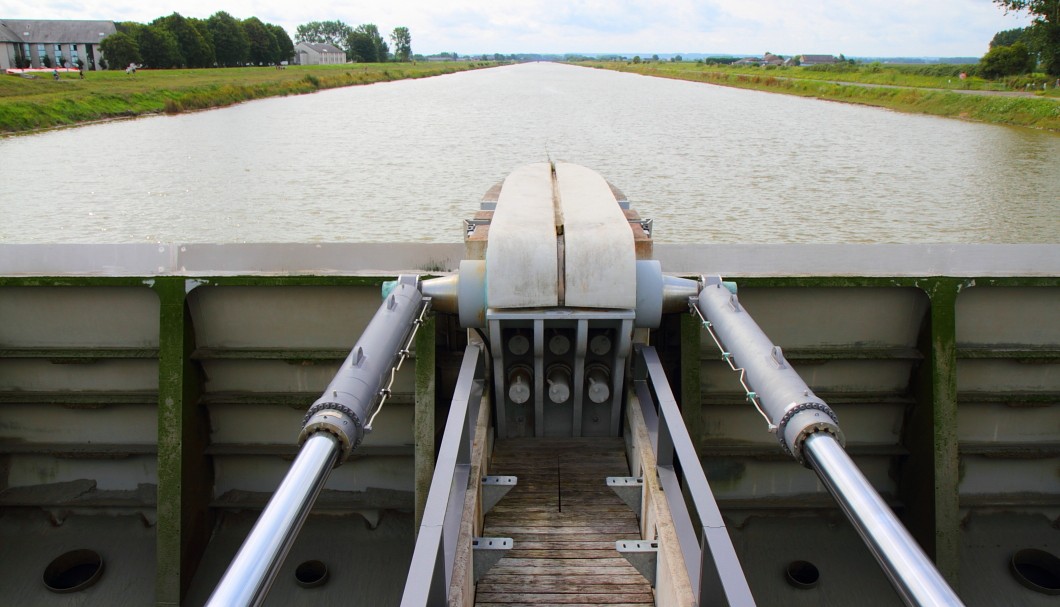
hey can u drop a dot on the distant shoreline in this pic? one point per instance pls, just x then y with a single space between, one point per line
1023 110
32 105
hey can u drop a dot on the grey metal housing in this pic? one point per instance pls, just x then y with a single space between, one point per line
792 408
353 394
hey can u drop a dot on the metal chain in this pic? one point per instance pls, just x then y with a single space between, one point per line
403 353
751 395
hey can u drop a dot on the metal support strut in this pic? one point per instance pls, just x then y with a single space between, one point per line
334 426
808 429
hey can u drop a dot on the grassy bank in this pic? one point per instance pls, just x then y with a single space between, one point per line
921 98
41 103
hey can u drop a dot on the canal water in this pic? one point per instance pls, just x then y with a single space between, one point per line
408 160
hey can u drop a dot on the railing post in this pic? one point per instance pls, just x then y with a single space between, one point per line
431 570
710 559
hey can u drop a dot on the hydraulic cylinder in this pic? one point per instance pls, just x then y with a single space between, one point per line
333 427
808 429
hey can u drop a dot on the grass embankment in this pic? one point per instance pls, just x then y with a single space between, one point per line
41 103
903 92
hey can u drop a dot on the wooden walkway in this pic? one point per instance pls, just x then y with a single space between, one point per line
564 521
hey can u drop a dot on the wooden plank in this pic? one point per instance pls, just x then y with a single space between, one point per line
550 514
548 564
558 588
561 599
511 600
565 530
564 604
564 578
562 554
564 521
521 562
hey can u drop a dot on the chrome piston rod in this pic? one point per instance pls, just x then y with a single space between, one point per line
808 429
250 575
334 426
912 574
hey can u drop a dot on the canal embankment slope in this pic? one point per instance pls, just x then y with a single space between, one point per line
44 102
1009 108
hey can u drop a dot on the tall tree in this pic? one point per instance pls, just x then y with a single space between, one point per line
195 49
1006 61
402 40
361 48
131 28
263 46
159 47
204 32
231 45
1044 31
366 45
120 49
335 33
1010 37
285 48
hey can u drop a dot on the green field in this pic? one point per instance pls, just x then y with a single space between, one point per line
904 90
42 103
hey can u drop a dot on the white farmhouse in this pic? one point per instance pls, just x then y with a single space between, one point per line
317 53
71 43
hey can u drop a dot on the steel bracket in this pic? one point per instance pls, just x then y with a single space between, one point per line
494 488
630 490
486 551
642 554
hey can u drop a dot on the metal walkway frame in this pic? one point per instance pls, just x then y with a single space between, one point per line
433 560
710 559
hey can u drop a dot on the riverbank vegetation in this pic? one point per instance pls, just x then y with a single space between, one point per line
882 86
41 103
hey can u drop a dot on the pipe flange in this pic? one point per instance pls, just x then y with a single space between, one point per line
336 419
796 449
321 406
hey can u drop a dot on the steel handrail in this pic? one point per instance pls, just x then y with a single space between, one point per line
431 570
710 558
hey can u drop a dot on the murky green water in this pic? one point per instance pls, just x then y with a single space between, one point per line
407 161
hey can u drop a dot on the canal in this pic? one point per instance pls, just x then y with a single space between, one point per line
407 160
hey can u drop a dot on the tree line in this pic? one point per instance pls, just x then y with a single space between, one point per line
363 43
175 41
1025 49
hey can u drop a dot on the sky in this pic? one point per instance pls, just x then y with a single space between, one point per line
855 28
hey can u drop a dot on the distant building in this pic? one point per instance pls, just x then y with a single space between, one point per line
818 59
25 43
318 53
771 59
767 59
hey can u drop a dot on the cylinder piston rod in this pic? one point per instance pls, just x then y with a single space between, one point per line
912 574
250 575
808 429
334 426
